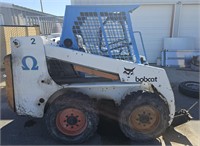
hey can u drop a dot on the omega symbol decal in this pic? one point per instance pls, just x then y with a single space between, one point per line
26 66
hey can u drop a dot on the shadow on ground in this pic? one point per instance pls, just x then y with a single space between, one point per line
29 131
171 135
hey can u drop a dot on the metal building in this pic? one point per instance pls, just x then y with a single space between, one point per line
11 14
159 19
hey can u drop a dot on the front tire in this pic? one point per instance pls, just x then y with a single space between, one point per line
144 116
72 118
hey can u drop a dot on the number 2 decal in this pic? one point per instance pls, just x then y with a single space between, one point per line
33 41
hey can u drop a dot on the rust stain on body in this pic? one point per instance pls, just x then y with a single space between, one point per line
9 81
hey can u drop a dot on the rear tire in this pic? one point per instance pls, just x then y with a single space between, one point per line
144 116
72 118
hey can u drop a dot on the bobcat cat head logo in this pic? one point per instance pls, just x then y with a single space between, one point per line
128 72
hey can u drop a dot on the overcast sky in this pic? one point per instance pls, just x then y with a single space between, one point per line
55 7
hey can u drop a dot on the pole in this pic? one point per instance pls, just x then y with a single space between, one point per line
41 6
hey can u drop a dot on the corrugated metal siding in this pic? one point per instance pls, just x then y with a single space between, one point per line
1 20
7 15
15 15
47 24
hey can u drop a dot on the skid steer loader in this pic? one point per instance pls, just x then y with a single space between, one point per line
97 59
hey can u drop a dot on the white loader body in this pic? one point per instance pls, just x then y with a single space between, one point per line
33 86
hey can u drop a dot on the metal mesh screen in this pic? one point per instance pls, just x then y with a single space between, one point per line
104 34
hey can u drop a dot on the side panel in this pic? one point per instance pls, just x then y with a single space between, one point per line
129 72
32 83
33 86
115 91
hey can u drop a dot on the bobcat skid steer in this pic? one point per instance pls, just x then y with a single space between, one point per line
97 59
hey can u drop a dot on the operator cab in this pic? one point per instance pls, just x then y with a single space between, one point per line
101 31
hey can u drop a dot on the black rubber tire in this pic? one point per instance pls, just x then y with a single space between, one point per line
194 67
134 101
72 100
187 89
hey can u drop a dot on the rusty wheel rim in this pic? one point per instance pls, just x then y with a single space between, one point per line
144 118
71 121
